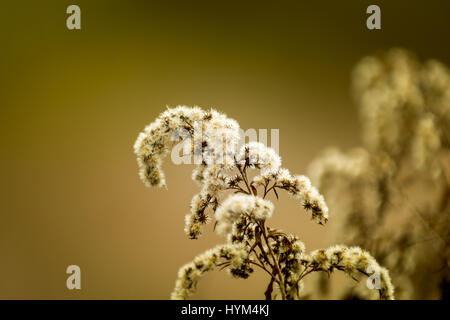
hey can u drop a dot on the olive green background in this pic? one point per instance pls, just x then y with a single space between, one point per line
73 102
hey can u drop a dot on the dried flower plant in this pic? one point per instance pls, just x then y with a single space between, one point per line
241 216
392 194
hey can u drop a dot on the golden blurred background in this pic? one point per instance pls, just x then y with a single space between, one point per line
73 102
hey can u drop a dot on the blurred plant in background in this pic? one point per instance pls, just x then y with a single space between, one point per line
241 217
391 195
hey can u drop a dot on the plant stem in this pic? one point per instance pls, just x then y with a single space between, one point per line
275 261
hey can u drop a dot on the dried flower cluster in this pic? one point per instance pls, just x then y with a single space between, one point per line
241 217
392 194
208 130
235 256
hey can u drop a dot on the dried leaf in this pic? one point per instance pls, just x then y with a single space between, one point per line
255 192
